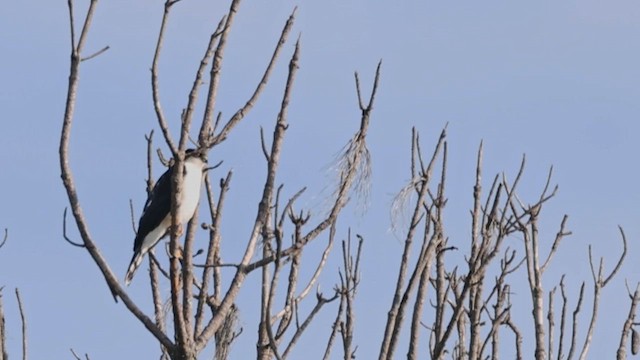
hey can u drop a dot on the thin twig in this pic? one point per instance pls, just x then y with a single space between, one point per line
3 337
64 231
133 219
193 94
162 122
5 237
150 182
75 355
97 53
23 320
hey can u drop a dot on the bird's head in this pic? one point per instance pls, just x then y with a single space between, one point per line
200 154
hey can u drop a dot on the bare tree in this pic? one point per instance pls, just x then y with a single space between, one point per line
466 320
200 308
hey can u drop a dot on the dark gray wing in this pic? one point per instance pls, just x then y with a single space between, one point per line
158 206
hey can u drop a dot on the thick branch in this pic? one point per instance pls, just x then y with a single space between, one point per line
69 184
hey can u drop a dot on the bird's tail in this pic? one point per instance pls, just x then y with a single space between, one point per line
136 260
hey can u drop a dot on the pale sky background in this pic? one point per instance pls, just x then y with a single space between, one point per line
558 81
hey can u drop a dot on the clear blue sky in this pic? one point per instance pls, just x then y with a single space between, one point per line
558 81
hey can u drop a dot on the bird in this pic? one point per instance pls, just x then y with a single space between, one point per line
155 221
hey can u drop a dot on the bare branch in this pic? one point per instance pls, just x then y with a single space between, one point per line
264 145
3 337
518 337
335 327
23 320
5 237
551 323
574 327
217 64
213 251
75 355
620 259
349 286
193 94
561 234
96 54
64 231
158 308
626 328
563 318
133 219
150 182
155 92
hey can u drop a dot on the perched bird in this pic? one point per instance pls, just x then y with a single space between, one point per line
155 222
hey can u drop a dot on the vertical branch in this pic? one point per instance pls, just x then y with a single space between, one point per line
157 299
179 321
461 326
442 287
350 282
225 336
268 286
155 92
23 320
335 327
518 336
574 324
213 84
263 207
3 339
433 245
621 354
3 336
267 343
423 285
394 316
153 267
563 318
188 276
212 272
476 219
551 323
535 285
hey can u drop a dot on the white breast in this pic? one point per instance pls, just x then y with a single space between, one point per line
191 189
